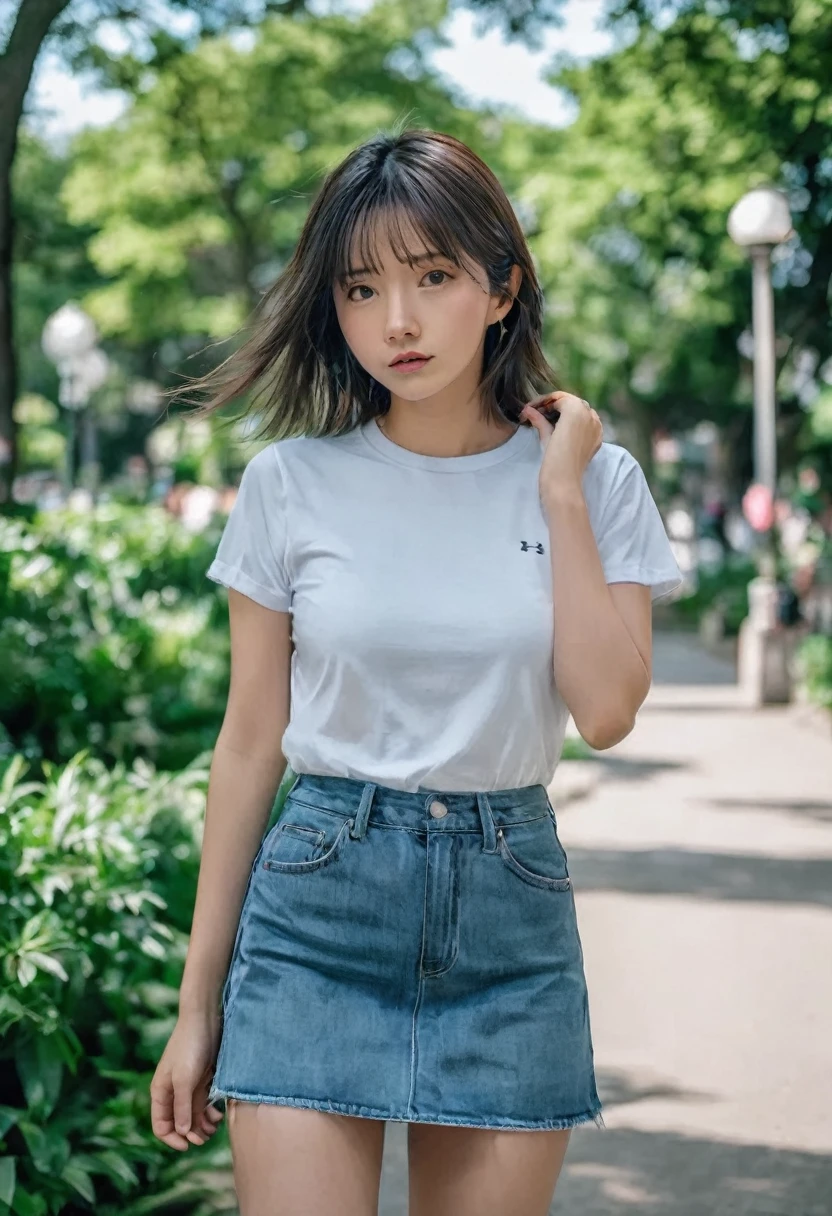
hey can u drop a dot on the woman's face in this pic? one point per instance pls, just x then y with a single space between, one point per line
434 308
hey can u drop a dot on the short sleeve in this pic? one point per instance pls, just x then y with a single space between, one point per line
631 537
251 556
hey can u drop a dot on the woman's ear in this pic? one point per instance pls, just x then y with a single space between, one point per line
515 278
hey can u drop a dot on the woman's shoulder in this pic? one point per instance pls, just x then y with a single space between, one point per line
282 457
604 469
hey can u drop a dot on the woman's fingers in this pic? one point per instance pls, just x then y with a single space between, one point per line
542 425
180 1112
552 399
548 399
171 1112
536 406
183 1098
161 1114
209 1120
534 416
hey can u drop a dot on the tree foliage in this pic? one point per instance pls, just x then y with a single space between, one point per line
650 296
155 37
200 198
189 207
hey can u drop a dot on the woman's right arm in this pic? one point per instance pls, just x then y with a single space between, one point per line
246 770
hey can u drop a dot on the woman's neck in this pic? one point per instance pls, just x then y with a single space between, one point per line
450 433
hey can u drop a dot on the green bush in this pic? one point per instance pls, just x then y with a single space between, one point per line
575 748
111 637
725 588
814 668
98 873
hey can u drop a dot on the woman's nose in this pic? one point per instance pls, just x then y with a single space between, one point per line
401 321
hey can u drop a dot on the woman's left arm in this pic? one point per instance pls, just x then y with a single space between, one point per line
603 632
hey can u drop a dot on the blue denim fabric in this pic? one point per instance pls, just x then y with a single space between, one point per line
411 956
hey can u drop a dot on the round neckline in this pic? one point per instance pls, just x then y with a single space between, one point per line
446 464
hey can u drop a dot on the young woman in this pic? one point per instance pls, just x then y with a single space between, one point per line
427 576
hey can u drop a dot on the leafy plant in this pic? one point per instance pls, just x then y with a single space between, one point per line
814 668
725 588
575 748
111 637
97 877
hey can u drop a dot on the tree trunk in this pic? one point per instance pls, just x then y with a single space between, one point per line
642 421
638 423
33 20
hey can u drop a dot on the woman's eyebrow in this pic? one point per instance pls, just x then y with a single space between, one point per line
353 272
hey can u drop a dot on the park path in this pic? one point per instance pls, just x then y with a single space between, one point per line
702 863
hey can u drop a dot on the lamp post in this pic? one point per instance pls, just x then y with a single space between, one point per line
93 372
760 220
69 341
757 222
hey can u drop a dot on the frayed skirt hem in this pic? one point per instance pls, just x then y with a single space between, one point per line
562 1123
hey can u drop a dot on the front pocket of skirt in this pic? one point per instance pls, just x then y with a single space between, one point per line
549 882
295 848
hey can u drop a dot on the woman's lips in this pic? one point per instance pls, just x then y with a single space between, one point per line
411 365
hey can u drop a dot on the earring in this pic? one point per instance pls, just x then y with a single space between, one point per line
502 332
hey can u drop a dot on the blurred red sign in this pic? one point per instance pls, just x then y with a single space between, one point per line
758 507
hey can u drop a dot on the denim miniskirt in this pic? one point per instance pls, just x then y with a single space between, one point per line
412 957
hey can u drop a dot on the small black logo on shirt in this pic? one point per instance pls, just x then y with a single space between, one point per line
526 545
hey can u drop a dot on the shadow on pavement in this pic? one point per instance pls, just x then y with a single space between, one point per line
706 875
617 1088
624 768
612 1173
627 1172
821 811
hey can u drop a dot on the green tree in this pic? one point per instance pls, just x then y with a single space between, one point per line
51 260
200 200
73 27
649 296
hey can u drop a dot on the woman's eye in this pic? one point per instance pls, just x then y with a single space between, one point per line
431 273
359 287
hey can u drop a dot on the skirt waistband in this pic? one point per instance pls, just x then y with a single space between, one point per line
422 810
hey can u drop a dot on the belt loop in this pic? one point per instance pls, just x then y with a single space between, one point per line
550 808
487 820
359 827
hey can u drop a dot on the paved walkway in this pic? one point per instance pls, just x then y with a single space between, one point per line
703 872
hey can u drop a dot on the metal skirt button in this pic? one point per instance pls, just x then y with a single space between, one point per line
438 809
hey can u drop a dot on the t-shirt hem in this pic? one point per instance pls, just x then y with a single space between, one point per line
230 576
660 582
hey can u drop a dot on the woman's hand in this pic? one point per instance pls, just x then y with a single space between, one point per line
179 1110
567 447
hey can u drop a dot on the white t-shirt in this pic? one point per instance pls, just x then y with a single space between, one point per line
420 590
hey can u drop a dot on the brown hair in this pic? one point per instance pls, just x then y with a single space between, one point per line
304 377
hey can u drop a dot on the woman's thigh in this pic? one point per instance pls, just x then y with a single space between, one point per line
295 1161
467 1171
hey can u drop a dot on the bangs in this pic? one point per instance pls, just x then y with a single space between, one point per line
406 217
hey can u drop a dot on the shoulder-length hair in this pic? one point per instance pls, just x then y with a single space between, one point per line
300 376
